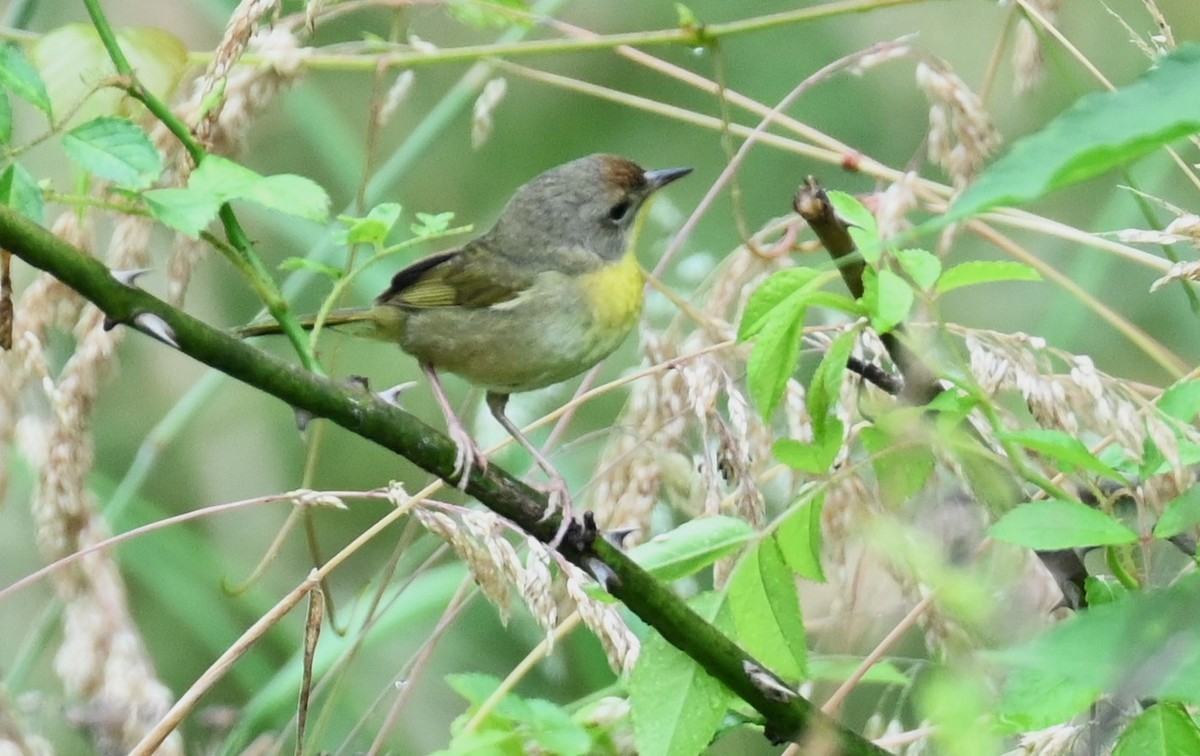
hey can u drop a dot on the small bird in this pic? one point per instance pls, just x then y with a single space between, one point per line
549 291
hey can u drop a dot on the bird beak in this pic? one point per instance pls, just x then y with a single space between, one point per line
660 178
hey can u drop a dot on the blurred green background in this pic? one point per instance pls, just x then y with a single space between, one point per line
241 444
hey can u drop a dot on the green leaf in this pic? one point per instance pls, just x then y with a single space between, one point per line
1057 524
1100 131
1144 646
6 119
219 180
1066 451
222 179
114 149
772 293
292 195
840 668
692 546
531 720
485 14
18 76
888 297
73 62
775 354
955 702
1033 700
766 610
826 384
1181 401
1103 589
984 271
184 210
1180 515
860 223
799 537
922 266
20 191
431 224
372 228
676 705
902 470
816 457
1165 729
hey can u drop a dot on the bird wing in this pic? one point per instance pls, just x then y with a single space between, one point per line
471 277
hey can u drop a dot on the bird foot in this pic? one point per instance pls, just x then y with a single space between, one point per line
558 497
468 457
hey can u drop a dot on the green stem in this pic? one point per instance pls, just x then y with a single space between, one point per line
394 429
252 265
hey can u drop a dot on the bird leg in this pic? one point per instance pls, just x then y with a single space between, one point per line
468 453
558 493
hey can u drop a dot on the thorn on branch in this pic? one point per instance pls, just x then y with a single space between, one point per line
129 276
152 324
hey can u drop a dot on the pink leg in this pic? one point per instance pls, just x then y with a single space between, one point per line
557 491
468 453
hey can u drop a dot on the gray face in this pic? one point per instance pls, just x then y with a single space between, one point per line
580 212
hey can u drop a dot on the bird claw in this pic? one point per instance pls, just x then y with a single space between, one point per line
467 458
558 499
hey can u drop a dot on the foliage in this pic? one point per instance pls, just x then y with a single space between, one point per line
805 508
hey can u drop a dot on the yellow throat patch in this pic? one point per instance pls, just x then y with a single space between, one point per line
614 294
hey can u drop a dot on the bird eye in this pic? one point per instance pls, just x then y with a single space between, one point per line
617 213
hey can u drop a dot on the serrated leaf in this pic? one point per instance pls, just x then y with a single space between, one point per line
984 271
780 287
1058 524
816 457
1180 515
922 266
114 149
20 191
766 610
775 354
184 210
18 76
1066 451
799 537
222 179
888 298
1100 131
860 224
292 195
692 546
73 62
374 227
1165 729
676 705
225 180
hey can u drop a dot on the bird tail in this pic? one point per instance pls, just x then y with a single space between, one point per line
355 320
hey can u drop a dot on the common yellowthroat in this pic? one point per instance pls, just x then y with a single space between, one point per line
549 291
